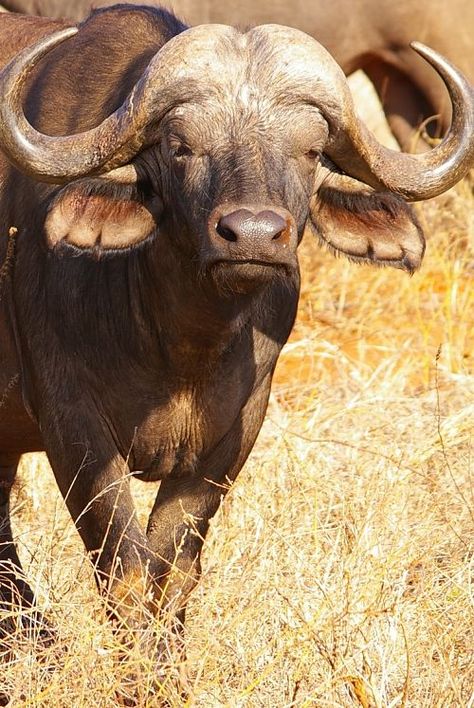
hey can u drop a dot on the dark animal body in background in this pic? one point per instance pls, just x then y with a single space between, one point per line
373 35
155 276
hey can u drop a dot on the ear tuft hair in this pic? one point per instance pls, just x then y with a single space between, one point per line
366 226
99 216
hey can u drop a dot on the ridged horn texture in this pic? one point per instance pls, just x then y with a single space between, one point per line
46 158
420 176
351 145
119 137
182 67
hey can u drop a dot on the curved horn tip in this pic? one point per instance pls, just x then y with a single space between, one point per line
31 54
51 40
55 37
419 46
432 56
65 32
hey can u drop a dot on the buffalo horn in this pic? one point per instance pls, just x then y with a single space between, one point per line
47 158
121 135
421 176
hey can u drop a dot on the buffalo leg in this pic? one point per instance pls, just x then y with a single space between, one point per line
185 505
176 530
95 485
14 590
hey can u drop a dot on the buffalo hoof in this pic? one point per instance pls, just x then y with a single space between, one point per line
153 666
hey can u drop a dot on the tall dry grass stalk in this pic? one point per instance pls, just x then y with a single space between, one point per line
339 571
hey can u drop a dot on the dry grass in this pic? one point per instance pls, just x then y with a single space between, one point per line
339 571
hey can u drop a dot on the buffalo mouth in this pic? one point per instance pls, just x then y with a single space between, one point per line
246 274
258 262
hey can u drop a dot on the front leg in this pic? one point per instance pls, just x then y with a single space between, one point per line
13 587
185 505
94 480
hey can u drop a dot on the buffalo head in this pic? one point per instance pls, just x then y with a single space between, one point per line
235 142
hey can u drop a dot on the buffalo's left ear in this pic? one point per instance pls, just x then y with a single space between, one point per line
365 225
101 214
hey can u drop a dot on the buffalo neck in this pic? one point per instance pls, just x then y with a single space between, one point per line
183 311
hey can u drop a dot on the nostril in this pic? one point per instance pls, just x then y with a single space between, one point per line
225 232
233 226
272 224
279 234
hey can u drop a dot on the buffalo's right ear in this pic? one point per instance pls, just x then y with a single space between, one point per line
101 214
364 225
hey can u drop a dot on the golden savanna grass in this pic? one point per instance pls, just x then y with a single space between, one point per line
339 570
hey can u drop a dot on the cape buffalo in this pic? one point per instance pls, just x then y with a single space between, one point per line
372 35
149 223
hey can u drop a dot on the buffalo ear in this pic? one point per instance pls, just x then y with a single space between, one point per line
365 225
100 215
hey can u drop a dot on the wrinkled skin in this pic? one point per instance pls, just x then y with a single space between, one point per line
135 336
372 35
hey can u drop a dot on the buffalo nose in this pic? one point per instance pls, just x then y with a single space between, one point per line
243 225
257 233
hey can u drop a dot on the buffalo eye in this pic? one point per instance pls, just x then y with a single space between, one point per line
178 149
182 151
313 155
